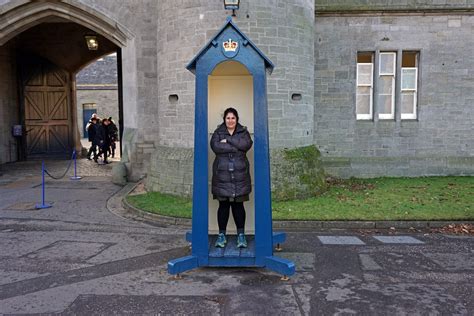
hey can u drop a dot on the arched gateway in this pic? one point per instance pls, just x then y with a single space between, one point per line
44 41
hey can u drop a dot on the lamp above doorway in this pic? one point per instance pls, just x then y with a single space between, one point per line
92 42
232 5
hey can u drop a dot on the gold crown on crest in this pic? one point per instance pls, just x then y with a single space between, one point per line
230 45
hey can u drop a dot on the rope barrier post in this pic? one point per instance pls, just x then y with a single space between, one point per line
43 203
75 177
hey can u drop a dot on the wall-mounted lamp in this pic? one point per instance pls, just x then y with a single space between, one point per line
92 42
232 5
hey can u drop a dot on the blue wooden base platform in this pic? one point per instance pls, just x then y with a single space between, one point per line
278 237
231 251
231 256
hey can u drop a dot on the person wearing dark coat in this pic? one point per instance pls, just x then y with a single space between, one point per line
231 183
113 132
102 139
92 131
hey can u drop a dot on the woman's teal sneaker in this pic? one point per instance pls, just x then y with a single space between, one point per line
241 241
221 241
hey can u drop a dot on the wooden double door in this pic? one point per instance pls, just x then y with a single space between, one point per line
47 109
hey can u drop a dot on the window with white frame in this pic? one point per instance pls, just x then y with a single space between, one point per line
386 86
364 99
409 85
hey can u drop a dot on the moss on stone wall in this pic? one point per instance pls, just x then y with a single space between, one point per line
297 173
309 153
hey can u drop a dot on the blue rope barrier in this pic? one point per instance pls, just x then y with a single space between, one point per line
43 203
45 171
75 177
65 172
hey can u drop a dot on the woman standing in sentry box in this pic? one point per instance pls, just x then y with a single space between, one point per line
231 183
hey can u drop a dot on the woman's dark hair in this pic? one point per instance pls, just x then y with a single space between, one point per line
233 111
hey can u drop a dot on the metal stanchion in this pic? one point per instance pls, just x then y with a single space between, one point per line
43 203
75 177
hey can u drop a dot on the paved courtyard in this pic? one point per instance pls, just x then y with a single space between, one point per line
81 257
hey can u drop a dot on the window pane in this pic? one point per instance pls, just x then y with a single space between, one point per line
386 85
364 90
387 63
364 74
363 104
408 78
385 104
365 57
363 100
408 102
409 59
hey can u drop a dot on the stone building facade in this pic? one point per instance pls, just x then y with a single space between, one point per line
438 139
320 50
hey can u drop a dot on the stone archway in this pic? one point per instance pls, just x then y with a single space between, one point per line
15 26
20 18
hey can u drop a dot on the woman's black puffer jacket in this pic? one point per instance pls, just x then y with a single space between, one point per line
230 170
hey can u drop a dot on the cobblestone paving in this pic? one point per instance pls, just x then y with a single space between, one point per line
27 170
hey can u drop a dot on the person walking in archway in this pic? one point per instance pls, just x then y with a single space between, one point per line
103 140
91 128
113 132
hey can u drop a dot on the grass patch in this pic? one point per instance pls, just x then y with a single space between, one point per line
425 198
163 204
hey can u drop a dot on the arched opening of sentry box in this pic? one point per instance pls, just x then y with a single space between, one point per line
230 85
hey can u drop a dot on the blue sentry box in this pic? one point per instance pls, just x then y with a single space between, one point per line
230 44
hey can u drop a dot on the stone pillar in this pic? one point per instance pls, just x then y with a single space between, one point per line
8 104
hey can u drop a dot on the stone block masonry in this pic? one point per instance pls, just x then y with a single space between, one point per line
311 93
295 173
440 141
284 32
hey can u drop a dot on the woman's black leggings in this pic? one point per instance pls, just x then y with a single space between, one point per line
238 211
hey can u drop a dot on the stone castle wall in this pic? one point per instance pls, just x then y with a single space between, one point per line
439 141
283 30
311 93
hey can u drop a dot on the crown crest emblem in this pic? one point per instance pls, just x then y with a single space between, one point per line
230 45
